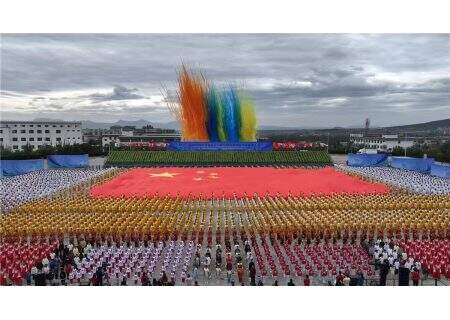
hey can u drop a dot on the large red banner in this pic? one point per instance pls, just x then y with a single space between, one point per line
233 182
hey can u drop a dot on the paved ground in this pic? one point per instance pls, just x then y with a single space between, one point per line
339 158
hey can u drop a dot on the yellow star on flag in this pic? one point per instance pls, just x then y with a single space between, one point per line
198 179
163 175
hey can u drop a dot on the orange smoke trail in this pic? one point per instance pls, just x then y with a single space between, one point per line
193 106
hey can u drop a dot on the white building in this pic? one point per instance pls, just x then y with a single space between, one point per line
356 135
110 139
16 135
382 143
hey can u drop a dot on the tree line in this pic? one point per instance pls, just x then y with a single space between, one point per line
29 153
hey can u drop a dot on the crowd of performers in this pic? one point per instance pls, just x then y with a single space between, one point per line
339 216
254 262
410 180
41 183
60 235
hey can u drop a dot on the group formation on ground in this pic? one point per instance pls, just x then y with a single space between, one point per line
415 182
42 183
254 262
52 232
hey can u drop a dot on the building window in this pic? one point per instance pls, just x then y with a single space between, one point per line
58 131
23 131
31 131
31 125
23 139
61 125
31 139
15 147
54 126
1 139
14 139
39 131
39 139
39 125
47 139
23 125
46 125
1 131
47 131
14 131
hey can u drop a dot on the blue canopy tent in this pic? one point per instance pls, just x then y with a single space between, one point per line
413 164
366 160
16 167
68 161
439 170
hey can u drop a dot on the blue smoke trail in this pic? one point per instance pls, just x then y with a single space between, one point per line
212 125
230 108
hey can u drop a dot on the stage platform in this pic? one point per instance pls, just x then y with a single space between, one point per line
220 146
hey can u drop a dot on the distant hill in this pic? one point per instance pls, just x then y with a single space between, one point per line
263 127
432 125
136 123
46 119
426 126
166 125
87 124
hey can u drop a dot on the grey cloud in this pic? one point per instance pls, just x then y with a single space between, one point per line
118 93
336 53
136 66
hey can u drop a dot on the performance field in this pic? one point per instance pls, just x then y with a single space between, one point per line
234 182
220 207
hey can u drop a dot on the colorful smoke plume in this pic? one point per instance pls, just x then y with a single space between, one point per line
208 113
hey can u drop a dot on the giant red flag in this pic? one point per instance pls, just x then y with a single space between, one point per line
230 182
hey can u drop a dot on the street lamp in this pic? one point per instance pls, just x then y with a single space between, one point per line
406 136
328 142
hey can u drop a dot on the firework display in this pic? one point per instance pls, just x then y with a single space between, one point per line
207 113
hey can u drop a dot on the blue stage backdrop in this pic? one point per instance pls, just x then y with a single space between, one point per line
366 160
16 167
439 170
414 164
68 160
220 146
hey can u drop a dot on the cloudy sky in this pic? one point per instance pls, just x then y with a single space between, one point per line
299 80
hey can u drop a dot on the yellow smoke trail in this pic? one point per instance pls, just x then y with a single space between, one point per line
247 130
